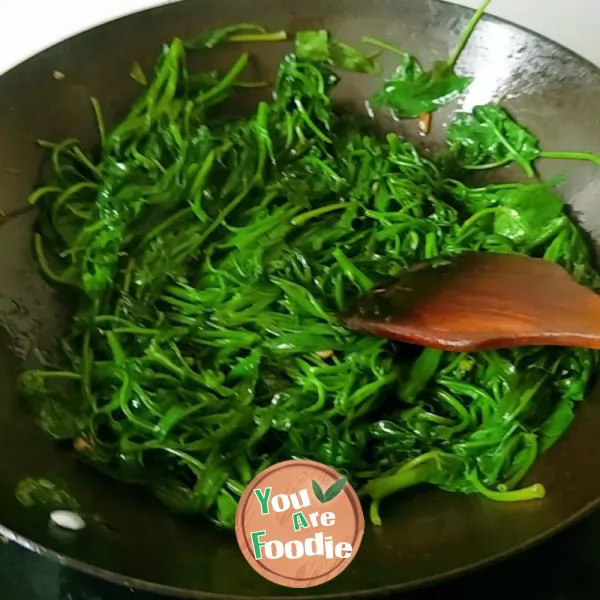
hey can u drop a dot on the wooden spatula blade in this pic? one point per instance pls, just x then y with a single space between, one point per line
478 301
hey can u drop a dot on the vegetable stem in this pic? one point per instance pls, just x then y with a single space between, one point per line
99 120
56 374
467 33
382 44
227 81
588 156
533 492
301 219
272 36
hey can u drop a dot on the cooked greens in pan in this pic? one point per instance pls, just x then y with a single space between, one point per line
207 258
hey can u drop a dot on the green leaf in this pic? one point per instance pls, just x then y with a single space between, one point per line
521 461
320 46
58 409
301 299
58 419
137 74
489 137
304 342
318 491
556 424
42 492
422 370
226 509
411 91
247 32
528 211
509 224
349 58
313 45
334 489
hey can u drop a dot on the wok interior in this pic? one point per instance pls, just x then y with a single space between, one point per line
426 533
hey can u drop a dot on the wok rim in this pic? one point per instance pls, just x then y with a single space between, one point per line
388 590
119 579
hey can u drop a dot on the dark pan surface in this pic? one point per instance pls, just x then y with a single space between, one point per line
427 535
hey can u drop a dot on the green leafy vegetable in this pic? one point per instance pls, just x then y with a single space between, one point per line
422 370
242 32
320 46
411 91
489 137
137 74
557 423
313 45
206 258
528 212
32 492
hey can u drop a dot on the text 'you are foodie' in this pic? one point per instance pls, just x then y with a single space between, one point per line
299 523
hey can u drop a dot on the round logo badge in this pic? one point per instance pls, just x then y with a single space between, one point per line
299 523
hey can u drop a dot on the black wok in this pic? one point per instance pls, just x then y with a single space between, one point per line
428 535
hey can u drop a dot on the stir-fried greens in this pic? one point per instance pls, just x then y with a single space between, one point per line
208 259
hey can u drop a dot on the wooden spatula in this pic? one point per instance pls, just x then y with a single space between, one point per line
478 301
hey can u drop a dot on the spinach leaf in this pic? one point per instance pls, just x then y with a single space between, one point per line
528 212
489 137
411 91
